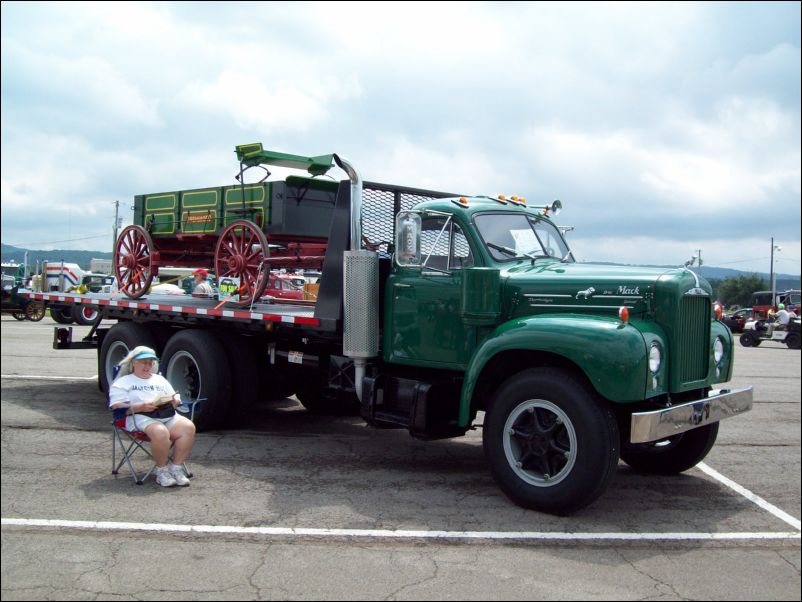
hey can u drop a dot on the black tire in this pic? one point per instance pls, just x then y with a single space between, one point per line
61 314
551 444
18 315
121 338
673 455
195 363
244 376
85 315
750 339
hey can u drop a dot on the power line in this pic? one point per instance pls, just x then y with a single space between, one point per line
52 242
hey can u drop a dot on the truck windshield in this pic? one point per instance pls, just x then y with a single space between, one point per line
510 236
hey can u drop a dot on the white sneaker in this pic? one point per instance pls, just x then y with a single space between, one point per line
177 472
165 478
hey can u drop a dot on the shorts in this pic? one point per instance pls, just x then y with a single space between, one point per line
143 422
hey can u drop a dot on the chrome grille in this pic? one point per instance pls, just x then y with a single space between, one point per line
693 337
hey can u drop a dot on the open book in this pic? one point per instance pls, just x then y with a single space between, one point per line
162 400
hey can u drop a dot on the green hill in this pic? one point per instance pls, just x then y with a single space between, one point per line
82 258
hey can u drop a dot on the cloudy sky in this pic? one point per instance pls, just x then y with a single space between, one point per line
663 128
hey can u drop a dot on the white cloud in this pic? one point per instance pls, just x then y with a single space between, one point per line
683 116
741 157
256 103
749 254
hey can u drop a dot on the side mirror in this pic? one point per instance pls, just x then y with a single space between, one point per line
407 239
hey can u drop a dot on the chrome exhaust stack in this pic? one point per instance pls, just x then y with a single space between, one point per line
360 288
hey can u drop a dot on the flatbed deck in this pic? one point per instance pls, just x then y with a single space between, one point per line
193 309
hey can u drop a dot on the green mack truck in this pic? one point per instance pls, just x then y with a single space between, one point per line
437 313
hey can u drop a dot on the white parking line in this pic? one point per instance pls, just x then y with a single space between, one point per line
392 534
521 535
32 377
784 516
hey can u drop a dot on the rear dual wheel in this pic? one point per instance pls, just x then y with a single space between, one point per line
196 364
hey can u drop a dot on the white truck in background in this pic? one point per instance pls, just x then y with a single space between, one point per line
66 277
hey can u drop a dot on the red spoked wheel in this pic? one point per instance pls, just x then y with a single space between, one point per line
133 262
241 251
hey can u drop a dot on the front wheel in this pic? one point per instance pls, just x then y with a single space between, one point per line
85 315
35 311
673 455
792 340
551 444
750 339
133 261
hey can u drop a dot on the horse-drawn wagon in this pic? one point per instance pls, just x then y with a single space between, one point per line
241 232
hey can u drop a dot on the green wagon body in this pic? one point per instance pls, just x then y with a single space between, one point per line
297 208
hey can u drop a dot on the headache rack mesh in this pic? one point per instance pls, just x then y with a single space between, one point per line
382 202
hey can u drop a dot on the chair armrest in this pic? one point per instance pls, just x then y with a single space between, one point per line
190 407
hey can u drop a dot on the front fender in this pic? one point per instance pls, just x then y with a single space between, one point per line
723 372
613 355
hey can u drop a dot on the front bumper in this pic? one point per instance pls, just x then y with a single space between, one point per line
659 424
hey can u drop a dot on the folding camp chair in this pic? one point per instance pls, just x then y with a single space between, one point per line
131 441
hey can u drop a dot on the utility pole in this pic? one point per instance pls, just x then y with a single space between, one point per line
773 276
116 224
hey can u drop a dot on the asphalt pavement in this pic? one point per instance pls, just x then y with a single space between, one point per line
297 506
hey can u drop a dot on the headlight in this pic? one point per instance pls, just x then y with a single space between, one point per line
655 358
718 350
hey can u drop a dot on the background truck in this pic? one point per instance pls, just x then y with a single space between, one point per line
436 313
69 277
763 303
22 308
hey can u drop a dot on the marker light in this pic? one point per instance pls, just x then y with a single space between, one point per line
502 197
718 310
461 202
623 314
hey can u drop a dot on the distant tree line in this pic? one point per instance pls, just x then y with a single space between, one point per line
738 291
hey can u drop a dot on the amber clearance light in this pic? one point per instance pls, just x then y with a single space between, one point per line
623 314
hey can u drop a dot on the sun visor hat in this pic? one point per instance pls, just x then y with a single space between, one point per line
145 355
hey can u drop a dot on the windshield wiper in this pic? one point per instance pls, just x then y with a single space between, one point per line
511 252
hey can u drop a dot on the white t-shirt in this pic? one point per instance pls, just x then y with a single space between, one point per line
131 389
783 317
204 289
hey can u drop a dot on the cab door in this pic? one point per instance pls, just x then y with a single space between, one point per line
423 322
